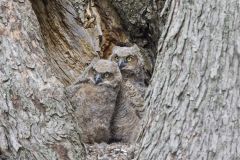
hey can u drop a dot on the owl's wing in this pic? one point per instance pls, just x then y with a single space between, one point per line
80 79
132 95
138 103
73 88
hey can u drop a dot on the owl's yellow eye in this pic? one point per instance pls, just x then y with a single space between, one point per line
129 58
106 75
116 58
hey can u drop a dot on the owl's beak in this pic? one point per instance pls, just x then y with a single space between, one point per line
121 63
98 78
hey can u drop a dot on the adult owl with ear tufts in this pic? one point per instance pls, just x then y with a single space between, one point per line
94 99
130 101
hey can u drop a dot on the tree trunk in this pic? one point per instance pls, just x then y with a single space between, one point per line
36 120
193 100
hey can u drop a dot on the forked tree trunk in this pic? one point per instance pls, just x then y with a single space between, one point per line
193 100
192 103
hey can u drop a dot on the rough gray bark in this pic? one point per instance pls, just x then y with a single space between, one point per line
193 100
36 119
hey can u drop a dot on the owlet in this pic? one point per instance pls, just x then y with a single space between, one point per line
94 98
129 107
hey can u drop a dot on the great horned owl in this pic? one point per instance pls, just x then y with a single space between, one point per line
129 107
94 98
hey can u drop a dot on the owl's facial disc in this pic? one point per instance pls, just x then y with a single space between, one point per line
128 62
101 78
